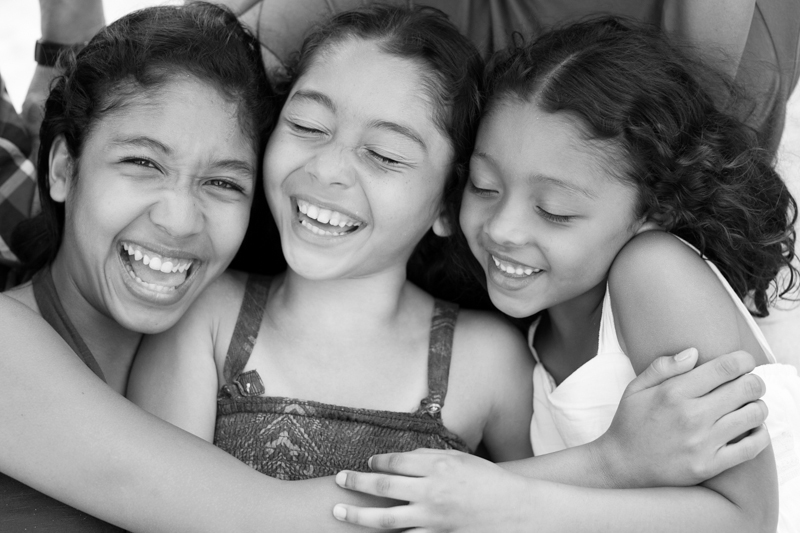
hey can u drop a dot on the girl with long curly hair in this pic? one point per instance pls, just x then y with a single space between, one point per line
611 196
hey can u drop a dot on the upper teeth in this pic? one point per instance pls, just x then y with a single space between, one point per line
326 216
155 261
517 270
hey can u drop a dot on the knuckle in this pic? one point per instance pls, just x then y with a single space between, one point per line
383 485
394 462
442 465
387 521
727 367
753 386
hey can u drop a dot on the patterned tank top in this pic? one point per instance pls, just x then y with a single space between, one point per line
300 439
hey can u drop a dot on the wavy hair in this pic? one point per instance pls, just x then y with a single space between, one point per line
697 167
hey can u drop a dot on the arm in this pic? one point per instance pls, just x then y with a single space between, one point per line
717 27
63 22
174 375
133 469
491 374
664 296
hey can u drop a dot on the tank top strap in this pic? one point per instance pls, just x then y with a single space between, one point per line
245 332
44 291
440 350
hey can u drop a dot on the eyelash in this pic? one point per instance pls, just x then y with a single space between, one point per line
226 185
477 190
560 219
141 162
383 159
303 129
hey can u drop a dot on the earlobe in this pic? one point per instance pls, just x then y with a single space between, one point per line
441 227
60 174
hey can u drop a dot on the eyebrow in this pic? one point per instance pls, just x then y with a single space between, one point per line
233 165
145 142
569 187
323 100
399 128
315 96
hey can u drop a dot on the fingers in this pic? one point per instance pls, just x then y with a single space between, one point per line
377 518
732 396
418 463
736 453
384 485
715 373
734 426
664 368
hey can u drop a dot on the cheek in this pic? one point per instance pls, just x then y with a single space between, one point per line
227 226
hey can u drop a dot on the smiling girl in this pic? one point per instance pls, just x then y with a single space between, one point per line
147 198
598 154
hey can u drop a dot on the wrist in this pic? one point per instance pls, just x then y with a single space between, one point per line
605 459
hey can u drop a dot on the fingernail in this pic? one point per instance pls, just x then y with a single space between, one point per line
686 354
341 478
339 512
369 462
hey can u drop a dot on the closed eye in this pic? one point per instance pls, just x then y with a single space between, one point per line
560 219
140 162
304 130
479 191
383 159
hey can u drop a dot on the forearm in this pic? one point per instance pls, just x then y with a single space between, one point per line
554 507
79 442
581 466
64 22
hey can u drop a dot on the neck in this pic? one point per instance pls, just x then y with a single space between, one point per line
112 345
343 304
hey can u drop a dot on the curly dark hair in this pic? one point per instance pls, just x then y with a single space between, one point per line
697 167
144 50
452 73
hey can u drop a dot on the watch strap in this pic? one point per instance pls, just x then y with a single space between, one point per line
46 52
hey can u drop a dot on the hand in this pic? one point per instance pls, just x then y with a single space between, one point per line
676 427
446 490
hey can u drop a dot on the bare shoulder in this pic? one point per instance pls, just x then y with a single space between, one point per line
222 297
666 298
24 295
488 341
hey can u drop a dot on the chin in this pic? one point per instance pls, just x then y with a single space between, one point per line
511 306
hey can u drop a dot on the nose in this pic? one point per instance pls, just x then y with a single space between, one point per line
177 212
510 223
331 165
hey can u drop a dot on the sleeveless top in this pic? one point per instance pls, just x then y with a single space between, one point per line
581 407
295 439
23 508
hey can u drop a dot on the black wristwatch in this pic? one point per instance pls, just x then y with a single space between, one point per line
46 52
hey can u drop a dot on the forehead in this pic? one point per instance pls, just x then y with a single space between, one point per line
183 113
526 142
364 81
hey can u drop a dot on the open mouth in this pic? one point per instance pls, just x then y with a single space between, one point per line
515 270
322 221
153 271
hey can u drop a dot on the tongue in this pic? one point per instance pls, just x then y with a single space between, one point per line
148 275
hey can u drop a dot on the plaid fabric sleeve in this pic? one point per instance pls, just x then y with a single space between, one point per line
17 174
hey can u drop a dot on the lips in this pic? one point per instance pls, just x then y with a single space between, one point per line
514 269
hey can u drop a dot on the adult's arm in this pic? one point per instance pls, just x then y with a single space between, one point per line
68 435
718 28
64 22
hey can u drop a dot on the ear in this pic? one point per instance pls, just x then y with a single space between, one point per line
441 226
61 169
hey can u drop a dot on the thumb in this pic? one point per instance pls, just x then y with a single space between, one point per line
662 369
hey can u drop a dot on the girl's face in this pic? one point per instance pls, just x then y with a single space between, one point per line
356 167
160 205
543 213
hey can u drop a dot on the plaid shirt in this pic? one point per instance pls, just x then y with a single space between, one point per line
17 175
